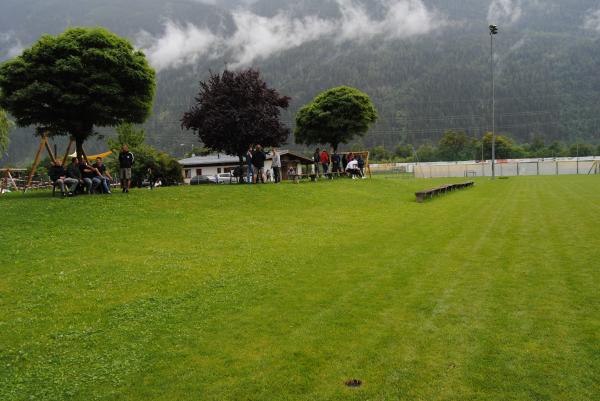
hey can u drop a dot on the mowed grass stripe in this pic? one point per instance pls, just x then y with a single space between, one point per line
262 293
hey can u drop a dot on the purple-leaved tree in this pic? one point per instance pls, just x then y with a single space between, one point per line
235 110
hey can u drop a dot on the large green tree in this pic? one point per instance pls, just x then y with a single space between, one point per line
455 146
81 79
334 117
503 146
5 125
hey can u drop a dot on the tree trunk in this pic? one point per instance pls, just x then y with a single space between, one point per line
79 148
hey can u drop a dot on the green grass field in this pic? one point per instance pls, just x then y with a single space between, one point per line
286 292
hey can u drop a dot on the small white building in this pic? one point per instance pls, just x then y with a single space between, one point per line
212 165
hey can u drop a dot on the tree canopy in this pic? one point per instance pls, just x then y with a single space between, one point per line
503 146
335 116
82 78
127 134
235 110
455 146
5 125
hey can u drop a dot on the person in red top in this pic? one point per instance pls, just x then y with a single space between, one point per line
325 161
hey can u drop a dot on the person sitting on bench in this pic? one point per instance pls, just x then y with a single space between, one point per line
89 177
102 174
353 170
58 175
74 172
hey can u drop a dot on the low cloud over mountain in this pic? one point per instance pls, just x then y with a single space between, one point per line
258 37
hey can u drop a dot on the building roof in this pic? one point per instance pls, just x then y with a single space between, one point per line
209 160
219 160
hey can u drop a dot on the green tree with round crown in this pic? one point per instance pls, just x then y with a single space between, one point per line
334 117
81 79
5 126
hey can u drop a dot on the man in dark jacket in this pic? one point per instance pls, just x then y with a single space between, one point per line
103 175
361 165
317 160
335 160
258 161
58 175
88 176
74 175
126 161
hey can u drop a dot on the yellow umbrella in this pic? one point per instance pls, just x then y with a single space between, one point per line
94 157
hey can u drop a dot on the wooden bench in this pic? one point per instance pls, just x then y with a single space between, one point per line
297 177
442 189
331 174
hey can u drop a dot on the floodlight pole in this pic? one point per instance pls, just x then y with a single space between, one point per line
493 31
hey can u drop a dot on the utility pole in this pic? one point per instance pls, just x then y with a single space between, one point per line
493 31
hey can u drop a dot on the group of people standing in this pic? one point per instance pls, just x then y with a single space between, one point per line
349 163
255 164
95 178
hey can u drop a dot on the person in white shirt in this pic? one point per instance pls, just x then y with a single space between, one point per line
353 169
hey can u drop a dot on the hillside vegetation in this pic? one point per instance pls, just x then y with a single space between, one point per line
548 55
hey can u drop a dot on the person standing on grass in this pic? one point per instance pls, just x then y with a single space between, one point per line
250 173
103 174
276 166
258 162
325 161
126 160
344 161
361 165
317 160
335 162
151 178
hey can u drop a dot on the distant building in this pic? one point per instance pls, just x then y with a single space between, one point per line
215 164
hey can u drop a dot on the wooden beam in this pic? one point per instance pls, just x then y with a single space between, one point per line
50 153
12 180
67 151
36 162
4 181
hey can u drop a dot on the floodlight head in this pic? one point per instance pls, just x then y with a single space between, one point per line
493 29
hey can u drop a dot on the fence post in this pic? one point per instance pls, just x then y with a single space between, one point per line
556 161
517 169
538 167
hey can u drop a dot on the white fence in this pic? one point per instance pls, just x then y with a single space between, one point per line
504 168
509 168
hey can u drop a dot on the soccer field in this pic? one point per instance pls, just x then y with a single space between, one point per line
285 292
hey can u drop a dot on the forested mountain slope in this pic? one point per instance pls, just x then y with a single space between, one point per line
426 64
